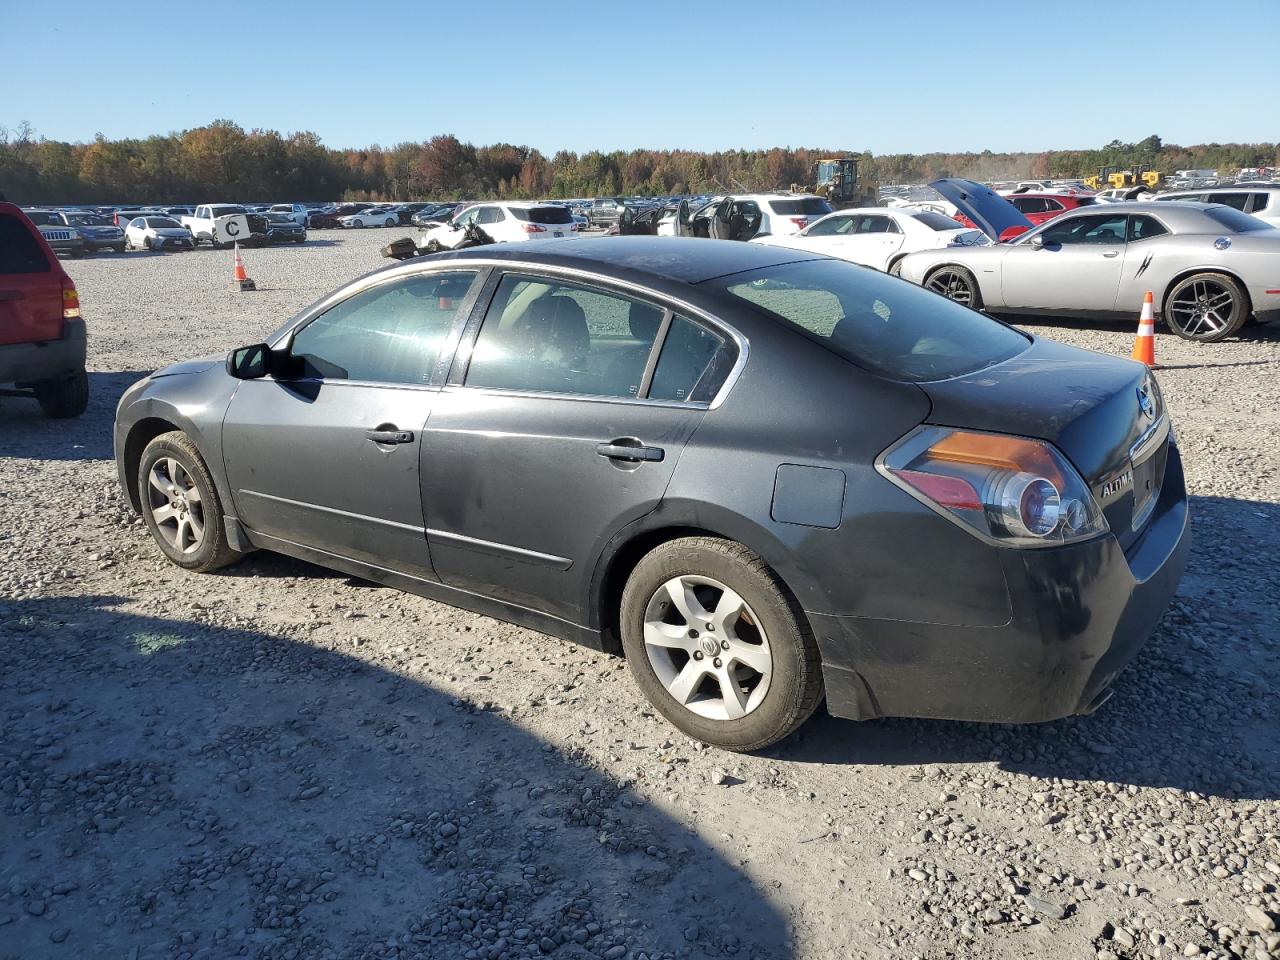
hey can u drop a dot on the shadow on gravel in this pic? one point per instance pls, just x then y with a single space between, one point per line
1254 332
27 433
173 788
1197 710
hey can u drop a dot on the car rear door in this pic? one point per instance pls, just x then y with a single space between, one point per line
30 282
329 458
560 426
1077 269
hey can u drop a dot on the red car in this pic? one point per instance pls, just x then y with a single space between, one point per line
42 336
1039 207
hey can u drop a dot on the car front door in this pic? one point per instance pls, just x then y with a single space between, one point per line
328 455
563 425
1075 266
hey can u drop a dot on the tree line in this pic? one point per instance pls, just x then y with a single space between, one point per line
223 161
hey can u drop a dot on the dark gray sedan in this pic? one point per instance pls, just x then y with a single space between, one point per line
762 476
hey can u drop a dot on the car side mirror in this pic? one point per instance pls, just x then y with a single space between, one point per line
249 363
1036 242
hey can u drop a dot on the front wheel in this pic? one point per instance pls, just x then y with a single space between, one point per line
390 222
955 283
64 398
180 504
718 645
1206 307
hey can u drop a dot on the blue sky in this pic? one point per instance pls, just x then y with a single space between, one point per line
905 77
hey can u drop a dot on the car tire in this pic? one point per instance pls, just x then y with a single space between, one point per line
390 222
120 248
1194 307
956 284
146 242
188 529
65 397
895 268
776 691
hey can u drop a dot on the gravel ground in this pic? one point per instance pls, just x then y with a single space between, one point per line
281 762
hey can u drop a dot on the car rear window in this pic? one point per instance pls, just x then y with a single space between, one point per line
801 206
1236 221
542 214
878 322
20 252
936 221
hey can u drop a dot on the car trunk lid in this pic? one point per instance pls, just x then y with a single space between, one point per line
986 209
1104 414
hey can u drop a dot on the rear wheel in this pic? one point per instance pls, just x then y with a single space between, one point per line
1206 307
717 644
180 504
64 398
955 283
390 222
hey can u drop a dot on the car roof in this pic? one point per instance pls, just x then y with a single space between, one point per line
687 259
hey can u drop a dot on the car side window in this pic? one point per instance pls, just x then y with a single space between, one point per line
546 335
391 333
490 215
1260 201
1096 229
1236 200
687 370
831 227
1144 228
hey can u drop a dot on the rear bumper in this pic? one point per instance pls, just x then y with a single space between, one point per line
22 364
1079 615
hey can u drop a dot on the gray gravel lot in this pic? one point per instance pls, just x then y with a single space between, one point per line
278 761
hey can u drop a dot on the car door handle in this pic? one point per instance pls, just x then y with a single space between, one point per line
1109 254
631 453
391 435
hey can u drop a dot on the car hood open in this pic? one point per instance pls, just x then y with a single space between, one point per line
992 213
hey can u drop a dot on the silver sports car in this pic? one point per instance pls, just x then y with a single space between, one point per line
1209 266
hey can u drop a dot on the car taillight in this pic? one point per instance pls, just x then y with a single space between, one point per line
1012 491
800 222
70 300
534 228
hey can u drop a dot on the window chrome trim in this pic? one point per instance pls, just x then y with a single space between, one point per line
573 273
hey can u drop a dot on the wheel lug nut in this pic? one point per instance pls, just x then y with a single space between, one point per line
697 654
693 634
724 644
717 662
711 628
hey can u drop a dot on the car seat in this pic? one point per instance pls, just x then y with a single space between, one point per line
624 373
551 340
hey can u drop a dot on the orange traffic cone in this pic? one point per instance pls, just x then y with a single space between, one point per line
241 278
1144 347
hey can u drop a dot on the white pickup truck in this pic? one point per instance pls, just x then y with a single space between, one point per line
221 224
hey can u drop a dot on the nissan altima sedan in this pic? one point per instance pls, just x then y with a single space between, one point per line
1209 266
765 477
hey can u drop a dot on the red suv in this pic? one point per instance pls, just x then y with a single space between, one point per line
1039 207
42 336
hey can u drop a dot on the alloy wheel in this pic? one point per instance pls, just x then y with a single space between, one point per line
1202 309
953 286
176 506
707 647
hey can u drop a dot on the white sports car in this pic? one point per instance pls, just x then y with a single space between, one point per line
1208 266
878 236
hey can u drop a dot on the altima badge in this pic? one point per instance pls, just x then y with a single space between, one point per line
1112 487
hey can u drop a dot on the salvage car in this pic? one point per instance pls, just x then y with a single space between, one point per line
283 228
1209 266
507 222
42 335
877 236
1040 207
745 217
157 233
369 217
64 240
645 445
97 231
1261 201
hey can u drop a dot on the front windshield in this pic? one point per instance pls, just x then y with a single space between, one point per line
880 323
163 223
